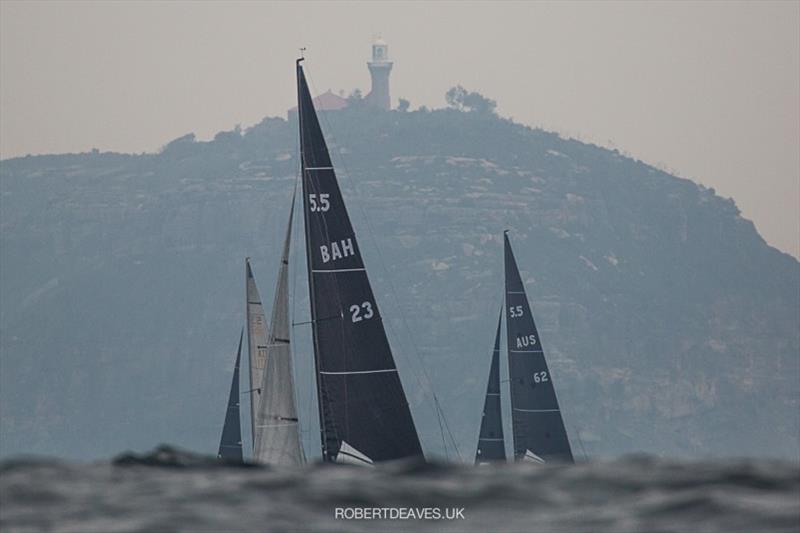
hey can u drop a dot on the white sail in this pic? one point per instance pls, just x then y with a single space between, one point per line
277 431
531 457
350 456
257 332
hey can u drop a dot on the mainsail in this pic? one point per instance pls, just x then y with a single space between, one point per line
491 445
257 331
535 416
361 399
230 444
277 432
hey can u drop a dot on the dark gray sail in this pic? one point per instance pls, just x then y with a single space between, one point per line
538 428
230 444
491 445
277 429
364 414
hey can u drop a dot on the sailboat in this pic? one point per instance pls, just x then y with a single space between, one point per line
230 444
364 416
538 429
274 424
276 427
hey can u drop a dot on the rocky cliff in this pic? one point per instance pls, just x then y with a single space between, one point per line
670 326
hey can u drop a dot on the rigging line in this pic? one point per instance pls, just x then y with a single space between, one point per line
293 252
428 386
447 427
441 430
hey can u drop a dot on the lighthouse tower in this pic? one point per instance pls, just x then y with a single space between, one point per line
379 69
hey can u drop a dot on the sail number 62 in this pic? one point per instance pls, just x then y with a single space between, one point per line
361 312
323 204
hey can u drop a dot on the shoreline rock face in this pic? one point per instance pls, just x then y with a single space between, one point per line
670 326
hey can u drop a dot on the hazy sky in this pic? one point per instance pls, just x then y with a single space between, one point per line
708 90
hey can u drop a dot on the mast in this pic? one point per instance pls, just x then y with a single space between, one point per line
364 414
491 445
230 443
277 431
257 331
538 428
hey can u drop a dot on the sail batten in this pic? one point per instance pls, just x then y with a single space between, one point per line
361 400
230 444
538 429
491 444
277 430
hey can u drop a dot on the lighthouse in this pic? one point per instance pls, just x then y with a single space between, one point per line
379 68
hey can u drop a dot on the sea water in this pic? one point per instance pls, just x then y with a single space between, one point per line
170 490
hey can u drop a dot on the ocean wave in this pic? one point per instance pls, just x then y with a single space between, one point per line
170 489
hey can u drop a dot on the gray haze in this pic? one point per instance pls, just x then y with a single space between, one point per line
707 90
669 325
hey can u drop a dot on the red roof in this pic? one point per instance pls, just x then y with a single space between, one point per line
327 101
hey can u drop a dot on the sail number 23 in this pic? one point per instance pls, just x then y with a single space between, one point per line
361 312
319 202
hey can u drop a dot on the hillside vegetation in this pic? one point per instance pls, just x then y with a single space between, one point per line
670 326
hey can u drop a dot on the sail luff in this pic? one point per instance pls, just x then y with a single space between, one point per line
277 430
361 399
538 428
230 443
257 332
491 444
